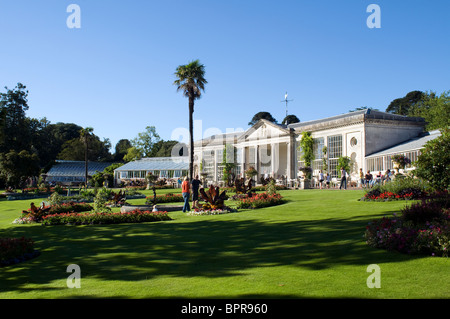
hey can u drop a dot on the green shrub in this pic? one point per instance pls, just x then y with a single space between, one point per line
135 216
399 188
14 250
260 200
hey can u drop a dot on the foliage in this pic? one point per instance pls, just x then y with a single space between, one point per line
75 149
250 172
423 227
15 250
344 162
16 167
213 198
136 216
262 116
55 199
241 187
98 179
191 81
202 212
290 119
399 188
101 198
325 159
121 149
307 152
145 141
163 148
15 131
260 200
36 214
434 162
166 198
132 154
228 163
401 160
271 187
403 105
434 108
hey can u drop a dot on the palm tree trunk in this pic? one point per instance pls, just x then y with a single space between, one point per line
86 164
191 136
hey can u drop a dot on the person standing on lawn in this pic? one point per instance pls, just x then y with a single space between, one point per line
195 186
185 189
343 178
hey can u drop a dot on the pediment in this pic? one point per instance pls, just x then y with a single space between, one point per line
264 130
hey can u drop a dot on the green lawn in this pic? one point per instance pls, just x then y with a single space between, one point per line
310 247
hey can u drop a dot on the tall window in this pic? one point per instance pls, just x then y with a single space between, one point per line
334 150
317 164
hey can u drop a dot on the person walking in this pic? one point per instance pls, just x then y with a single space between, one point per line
195 186
343 178
321 178
361 178
185 190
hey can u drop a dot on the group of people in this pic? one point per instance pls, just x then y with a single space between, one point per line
325 180
186 192
368 180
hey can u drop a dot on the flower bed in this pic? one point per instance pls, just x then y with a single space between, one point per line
398 189
200 212
260 200
15 250
423 228
377 195
33 215
135 216
167 198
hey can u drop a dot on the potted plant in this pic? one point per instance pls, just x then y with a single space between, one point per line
151 180
251 172
305 183
400 161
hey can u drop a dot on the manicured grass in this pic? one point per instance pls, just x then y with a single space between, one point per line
310 247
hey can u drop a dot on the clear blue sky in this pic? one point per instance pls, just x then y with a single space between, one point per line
115 73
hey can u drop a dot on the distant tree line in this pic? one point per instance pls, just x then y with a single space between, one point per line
30 146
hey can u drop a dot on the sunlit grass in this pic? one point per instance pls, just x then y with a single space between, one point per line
312 246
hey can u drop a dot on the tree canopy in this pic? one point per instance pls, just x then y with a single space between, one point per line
402 105
290 119
262 116
433 164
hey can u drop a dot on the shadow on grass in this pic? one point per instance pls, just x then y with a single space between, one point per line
205 248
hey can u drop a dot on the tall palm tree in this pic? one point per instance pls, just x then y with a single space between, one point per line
191 80
85 135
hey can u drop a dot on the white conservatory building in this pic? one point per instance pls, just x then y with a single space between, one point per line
273 150
368 137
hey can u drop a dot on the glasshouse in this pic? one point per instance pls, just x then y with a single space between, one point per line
73 172
164 167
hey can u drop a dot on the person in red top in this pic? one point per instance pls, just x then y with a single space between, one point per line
185 189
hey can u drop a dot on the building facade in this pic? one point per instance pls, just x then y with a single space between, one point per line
273 150
369 138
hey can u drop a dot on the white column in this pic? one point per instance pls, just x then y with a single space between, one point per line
215 166
273 166
256 161
289 161
242 161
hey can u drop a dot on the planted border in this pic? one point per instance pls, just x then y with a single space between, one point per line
16 250
135 216
422 228
260 200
